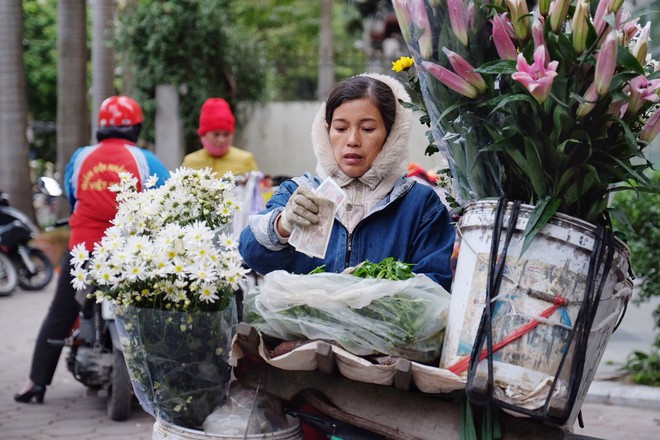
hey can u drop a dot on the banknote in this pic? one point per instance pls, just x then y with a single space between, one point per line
313 240
328 189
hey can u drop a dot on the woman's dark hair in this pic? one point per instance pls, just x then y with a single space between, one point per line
128 132
359 87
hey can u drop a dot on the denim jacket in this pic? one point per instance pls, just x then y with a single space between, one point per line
410 224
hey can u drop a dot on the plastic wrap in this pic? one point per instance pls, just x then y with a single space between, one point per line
363 315
177 361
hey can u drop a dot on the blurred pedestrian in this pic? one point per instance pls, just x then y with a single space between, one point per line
216 134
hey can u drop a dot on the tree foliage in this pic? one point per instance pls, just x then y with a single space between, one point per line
638 220
198 46
40 58
288 32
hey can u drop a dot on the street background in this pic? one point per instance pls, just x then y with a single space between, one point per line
614 410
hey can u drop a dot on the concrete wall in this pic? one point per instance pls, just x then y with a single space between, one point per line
278 134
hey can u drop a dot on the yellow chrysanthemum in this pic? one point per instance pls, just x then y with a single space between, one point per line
402 64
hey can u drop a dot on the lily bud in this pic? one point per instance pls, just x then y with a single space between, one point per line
544 7
503 43
651 129
606 63
401 11
537 34
616 5
641 47
590 97
604 7
421 20
580 26
451 80
465 70
458 19
557 14
520 19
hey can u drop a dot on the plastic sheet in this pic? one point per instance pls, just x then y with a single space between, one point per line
364 316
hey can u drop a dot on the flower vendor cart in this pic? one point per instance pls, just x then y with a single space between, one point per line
405 400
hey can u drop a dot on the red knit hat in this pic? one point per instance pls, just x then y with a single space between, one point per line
215 115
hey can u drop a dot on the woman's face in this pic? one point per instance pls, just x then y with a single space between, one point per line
357 134
217 142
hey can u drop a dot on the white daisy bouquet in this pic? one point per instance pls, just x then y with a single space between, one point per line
169 248
170 265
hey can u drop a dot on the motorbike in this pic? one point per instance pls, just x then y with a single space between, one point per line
33 267
95 356
96 360
8 275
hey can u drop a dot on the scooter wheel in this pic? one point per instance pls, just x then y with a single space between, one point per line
43 274
121 391
8 276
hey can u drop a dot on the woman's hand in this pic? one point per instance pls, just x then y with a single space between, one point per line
301 210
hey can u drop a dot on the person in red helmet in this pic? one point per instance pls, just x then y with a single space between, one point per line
90 173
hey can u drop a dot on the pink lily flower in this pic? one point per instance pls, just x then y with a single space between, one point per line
520 18
651 129
628 28
465 70
451 80
590 97
503 43
606 63
458 19
537 77
641 90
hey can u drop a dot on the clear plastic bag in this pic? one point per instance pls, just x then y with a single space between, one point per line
246 412
363 315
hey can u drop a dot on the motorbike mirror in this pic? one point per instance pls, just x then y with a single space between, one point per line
50 186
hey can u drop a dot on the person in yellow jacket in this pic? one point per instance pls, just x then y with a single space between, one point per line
216 133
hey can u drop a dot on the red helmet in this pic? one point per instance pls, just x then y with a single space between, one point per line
119 111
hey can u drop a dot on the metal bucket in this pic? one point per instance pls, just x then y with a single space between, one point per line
556 265
167 431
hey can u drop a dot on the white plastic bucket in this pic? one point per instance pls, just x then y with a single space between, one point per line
555 264
167 431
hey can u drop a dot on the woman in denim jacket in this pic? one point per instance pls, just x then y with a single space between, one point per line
360 138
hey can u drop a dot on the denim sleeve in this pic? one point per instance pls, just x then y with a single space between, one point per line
434 243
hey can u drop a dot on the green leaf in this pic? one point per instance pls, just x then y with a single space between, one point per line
626 59
542 213
506 67
534 166
504 100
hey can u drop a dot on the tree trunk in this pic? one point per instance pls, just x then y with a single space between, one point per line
326 61
14 148
169 128
72 115
103 55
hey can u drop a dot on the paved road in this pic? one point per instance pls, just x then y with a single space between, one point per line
70 413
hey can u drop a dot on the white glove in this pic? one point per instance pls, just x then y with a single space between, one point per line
301 210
